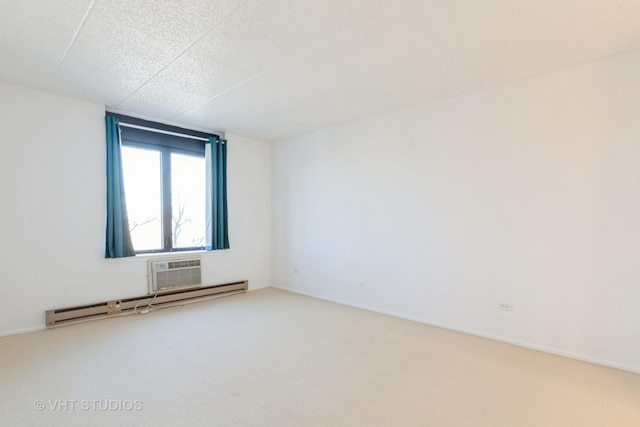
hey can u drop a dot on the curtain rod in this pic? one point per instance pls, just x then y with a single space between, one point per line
163 131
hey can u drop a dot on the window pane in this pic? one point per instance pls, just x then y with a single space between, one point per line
142 183
188 200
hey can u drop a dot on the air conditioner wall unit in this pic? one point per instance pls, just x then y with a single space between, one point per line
174 273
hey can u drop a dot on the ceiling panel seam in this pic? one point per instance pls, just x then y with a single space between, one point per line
235 86
73 40
182 53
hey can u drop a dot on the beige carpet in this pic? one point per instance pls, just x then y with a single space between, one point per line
271 358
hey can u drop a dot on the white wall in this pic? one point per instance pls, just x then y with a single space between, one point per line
52 190
527 193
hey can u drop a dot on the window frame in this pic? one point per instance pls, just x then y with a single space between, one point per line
165 139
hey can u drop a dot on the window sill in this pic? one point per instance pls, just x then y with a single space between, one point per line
162 255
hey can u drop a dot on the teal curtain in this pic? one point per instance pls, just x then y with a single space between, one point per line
217 215
118 242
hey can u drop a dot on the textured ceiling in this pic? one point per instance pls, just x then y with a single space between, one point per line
277 68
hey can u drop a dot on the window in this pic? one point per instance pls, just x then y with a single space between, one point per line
164 174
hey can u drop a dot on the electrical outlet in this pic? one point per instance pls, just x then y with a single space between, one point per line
507 306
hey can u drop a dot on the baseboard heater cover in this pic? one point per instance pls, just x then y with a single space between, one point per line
128 305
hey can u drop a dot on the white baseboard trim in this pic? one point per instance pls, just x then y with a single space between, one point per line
524 344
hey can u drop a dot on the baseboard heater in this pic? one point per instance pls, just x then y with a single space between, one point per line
129 305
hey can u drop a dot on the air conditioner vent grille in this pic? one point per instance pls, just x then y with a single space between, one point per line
182 277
